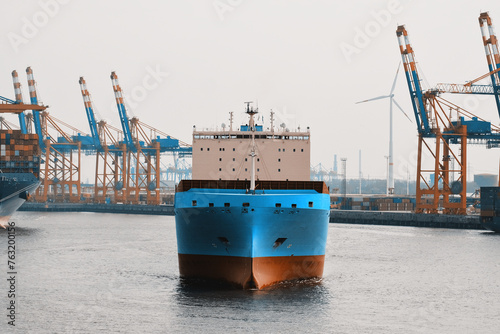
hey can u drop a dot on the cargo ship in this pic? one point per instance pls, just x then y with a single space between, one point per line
251 217
19 170
490 208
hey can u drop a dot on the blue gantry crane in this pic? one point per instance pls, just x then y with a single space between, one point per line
446 123
111 155
60 169
127 164
144 147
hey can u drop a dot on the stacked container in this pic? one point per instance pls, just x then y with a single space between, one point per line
19 153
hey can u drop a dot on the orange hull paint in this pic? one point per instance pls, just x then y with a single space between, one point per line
249 273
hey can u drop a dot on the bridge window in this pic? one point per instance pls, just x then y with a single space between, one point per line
311 204
278 205
294 206
211 205
227 205
246 204
194 203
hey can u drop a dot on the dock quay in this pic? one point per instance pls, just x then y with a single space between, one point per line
167 210
362 217
391 218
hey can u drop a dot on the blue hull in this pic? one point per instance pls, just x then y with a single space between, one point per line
232 230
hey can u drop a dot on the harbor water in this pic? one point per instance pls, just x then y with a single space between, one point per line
112 273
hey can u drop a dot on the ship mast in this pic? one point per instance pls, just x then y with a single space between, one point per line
251 123
272 121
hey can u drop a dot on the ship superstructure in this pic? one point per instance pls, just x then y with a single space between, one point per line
250 216
281 154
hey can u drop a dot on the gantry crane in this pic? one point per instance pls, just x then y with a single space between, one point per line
127 171
143 166
143 158
59 171
111 155
446 123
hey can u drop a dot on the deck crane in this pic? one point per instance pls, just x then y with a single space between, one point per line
19 99
448 124
111 156
143 154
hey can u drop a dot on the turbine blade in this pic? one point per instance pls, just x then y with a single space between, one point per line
375 98
395 79
397 105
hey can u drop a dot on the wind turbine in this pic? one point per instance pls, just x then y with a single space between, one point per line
390 177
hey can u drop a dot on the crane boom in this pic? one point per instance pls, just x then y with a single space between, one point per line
90 113
413 80
491 49
127 135
465 89
34 100
19 99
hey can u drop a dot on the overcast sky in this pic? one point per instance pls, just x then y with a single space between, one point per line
191 62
